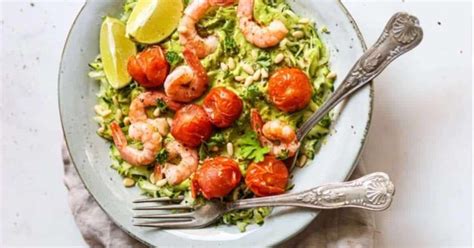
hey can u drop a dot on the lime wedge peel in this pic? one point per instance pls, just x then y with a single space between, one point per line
151 21
115 49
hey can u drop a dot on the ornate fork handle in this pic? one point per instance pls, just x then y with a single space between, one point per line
374 192
401 34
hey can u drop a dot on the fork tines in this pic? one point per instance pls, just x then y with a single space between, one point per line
160 199
164 220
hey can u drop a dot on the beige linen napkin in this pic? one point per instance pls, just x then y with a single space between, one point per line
332 228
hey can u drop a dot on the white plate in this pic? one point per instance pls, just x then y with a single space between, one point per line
89 152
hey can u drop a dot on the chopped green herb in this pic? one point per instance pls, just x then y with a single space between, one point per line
173 58
161 105
162 156
217 139
249 148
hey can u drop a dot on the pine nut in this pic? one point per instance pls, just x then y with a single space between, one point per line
128 182
152 178
230 149
100 110
264 73
126 121
284 42
331 75
298 34
224 67
161 183
98 119
115 101
231 64
248 81
301 64
157 112
303 21
302 161
118 115
239 78
254 54
248 69
101 129
256 75
279 58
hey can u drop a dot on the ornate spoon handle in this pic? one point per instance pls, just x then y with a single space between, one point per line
373 192
401 34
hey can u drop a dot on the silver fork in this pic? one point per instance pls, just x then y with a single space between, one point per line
373 192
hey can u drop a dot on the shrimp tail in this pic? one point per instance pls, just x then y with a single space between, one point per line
256 121
193 61
118 136
222 3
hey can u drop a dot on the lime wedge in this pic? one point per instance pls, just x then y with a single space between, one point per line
115 49
151 21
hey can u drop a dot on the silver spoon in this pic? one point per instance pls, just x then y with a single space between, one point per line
401 34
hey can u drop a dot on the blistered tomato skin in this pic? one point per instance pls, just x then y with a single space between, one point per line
149 67
191 126
222 106
216 178
289 89
268 177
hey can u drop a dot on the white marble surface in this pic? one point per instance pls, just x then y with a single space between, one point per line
420 135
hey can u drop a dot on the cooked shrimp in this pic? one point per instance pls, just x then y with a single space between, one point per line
221 2
146 99
260 36
187 82
188 36
177 173
278 136
142 131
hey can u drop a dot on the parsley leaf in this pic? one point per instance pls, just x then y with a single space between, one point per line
251 93
162 156
230 46
216 139
161 105
173 58
203 152
264 59
248 147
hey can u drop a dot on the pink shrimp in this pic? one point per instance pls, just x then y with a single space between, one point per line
187 82
278 136
188 35
177 173
262 37
149 99
142 131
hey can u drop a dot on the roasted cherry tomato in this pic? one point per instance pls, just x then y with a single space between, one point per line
149 67
289 89
222 106
268 177
216 178
191 126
